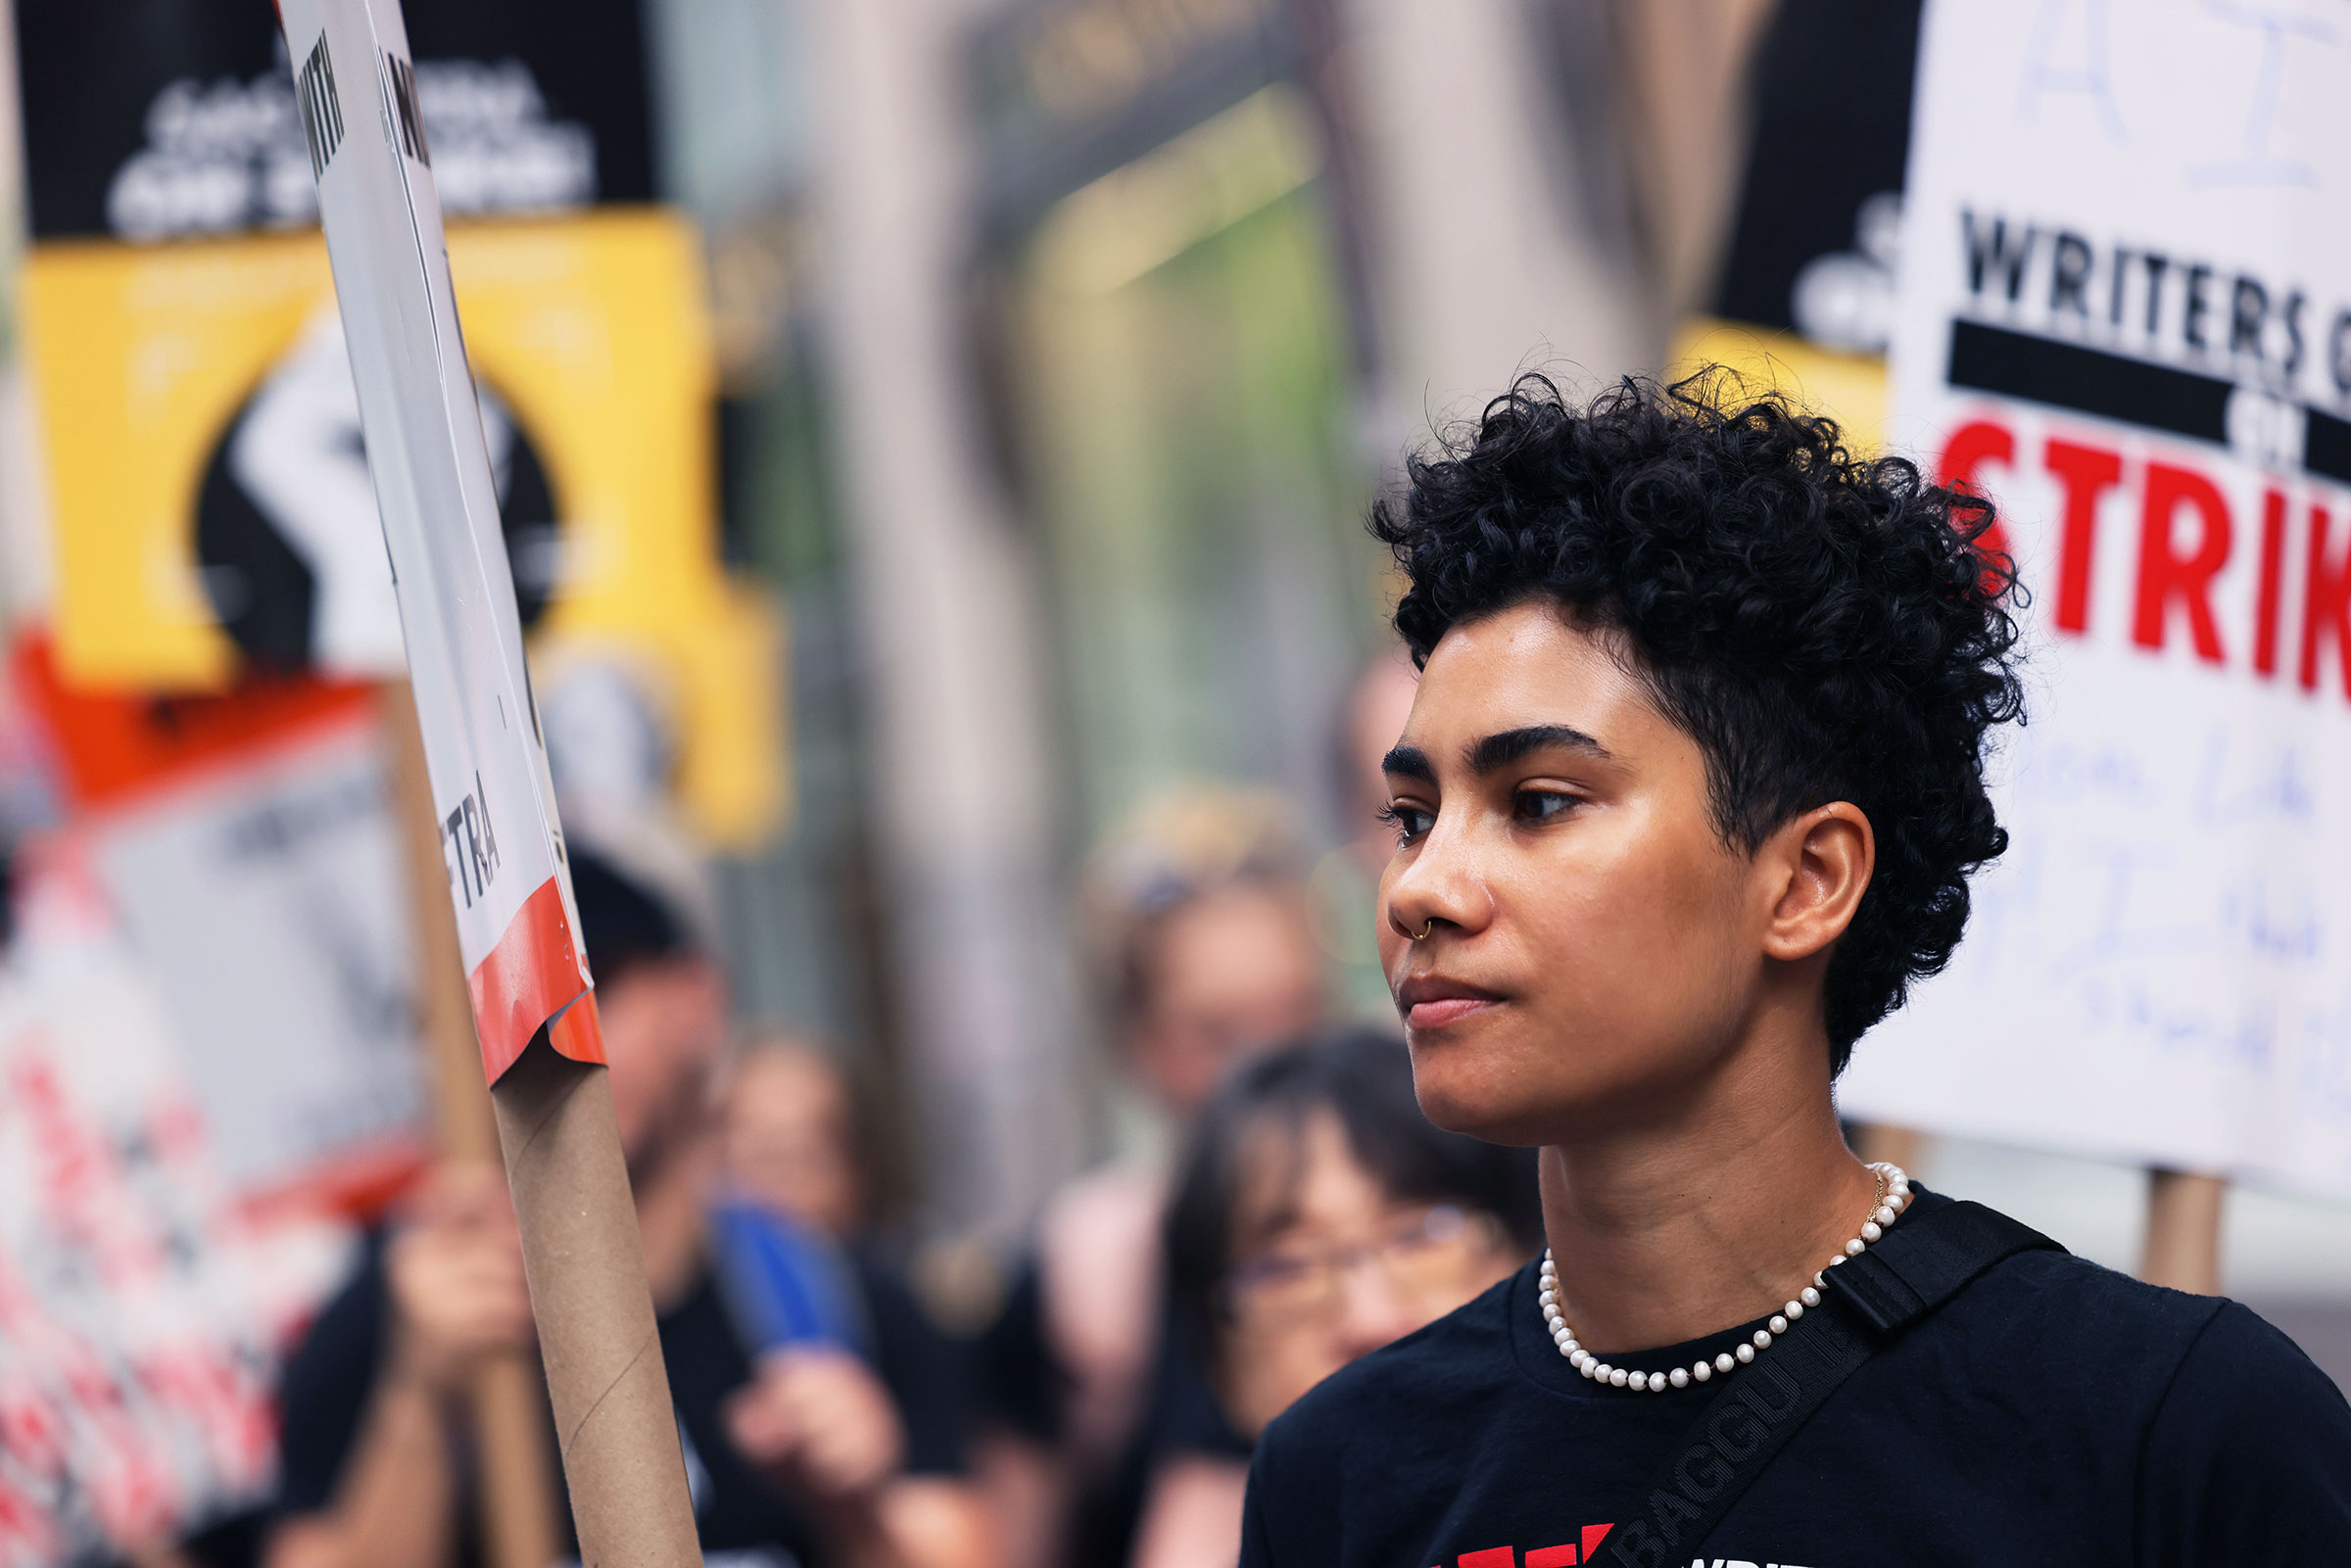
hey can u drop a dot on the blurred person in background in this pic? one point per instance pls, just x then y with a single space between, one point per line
1369 722
1364 725
1199 914
791 1136
795 1456
793 1145
1317 1216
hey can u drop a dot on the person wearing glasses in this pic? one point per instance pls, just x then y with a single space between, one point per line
1317 1216
1196 915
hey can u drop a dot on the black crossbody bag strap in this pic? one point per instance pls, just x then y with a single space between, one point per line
1913 1269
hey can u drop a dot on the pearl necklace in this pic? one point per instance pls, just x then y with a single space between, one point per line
1894 1195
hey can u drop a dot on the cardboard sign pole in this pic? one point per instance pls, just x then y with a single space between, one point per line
499 842
520 1528
596 1320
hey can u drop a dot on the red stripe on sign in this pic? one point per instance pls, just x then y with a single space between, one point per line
1552 1558
1593 1535
530 976
122 747
1491 1557
578 1032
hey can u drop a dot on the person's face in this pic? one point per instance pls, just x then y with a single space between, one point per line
1231 971
1329 1267
1593 943
789 1139
664 1023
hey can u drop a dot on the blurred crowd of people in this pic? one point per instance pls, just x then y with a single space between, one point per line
1294 1212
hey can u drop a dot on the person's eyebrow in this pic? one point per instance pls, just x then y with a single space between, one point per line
1408 762
1498 751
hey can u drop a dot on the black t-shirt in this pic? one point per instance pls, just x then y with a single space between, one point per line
740 1517
1022 1383
1185 1417
2054 1412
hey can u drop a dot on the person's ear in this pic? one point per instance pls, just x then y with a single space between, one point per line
1821 862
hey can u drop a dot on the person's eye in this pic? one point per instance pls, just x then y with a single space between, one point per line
1542 805
1411 822
1436 1226
1271 1273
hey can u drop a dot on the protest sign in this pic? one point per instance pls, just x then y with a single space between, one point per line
247 536
141 1310
435 491
2126 315
1804 300
246 845
486 766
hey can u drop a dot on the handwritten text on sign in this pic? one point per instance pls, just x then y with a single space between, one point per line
2126 315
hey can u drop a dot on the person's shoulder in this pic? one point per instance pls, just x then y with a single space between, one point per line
1455 1360
2062 1281
2052 1309
2248 1455
2048 1291
2240 1342
2054 1303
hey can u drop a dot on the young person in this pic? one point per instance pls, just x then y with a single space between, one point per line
1317 1218
1689 794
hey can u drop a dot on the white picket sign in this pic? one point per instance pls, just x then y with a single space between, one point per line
2124 314
356 92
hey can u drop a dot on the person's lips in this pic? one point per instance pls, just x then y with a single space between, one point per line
1432 1001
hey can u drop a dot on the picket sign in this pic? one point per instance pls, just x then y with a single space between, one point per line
2125 315
430 463
486 765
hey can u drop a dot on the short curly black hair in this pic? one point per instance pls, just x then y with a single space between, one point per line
1826 627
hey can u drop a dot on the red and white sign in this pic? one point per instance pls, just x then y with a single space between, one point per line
2126 315
355 88
143 1311
247 848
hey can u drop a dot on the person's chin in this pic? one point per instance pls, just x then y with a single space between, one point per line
1463 1083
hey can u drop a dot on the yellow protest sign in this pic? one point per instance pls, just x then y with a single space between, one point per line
181 382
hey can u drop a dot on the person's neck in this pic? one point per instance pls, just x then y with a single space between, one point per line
670 1222
1713 1216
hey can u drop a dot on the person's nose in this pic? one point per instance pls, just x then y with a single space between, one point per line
1437 885
1371 1313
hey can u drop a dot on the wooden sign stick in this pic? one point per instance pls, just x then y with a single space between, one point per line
2184 1231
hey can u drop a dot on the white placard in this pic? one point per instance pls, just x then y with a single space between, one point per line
264 898
2125 314
356 89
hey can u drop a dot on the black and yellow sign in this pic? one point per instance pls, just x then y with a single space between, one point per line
211 494
159 369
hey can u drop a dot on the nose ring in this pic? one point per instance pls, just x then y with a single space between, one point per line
1422 935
